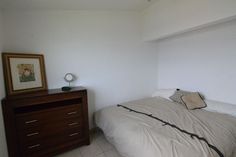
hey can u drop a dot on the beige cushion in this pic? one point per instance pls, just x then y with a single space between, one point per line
193 101
176 97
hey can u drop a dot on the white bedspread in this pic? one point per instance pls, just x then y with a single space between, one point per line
136 135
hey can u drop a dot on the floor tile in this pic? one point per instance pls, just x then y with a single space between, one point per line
90 151
72 153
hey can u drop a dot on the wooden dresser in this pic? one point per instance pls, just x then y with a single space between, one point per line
46 123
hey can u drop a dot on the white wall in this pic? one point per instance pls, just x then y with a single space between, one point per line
104 49
202 60
168 17
3 148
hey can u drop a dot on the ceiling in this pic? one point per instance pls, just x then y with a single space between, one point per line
131 5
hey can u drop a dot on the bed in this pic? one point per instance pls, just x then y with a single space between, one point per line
157 127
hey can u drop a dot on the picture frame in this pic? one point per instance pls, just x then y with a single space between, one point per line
23 72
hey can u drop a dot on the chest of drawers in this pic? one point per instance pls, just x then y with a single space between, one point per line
46 123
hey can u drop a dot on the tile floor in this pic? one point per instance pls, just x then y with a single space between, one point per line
99 147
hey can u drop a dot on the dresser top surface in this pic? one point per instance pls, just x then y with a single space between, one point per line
46 92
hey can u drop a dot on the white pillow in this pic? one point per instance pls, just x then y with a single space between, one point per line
165 93
220 107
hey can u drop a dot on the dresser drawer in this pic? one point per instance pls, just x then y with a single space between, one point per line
41 145
49 129
38 118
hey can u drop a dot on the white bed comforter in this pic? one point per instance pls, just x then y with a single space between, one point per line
136 135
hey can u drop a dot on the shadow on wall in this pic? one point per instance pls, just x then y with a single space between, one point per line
91 106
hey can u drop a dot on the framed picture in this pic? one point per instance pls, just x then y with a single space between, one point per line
23 73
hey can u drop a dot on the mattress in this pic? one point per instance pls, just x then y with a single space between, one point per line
157 127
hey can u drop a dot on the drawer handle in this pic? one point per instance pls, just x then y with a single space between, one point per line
74 134
32 134
70 113
34 146
31 121
72 124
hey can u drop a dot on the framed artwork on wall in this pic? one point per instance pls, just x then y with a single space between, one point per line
23 72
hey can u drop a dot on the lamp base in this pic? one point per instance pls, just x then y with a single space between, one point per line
66 88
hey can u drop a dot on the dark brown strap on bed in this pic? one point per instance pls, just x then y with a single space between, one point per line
192 135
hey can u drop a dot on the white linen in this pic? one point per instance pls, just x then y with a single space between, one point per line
164 93
216 106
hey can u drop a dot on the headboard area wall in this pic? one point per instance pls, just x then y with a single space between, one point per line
202 60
